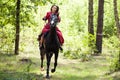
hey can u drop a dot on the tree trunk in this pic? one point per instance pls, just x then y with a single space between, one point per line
117 24
90 18
90 23
17 27
116 18
100 26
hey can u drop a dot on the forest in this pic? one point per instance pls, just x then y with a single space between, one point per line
91 31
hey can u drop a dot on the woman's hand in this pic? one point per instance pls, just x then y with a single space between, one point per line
44 19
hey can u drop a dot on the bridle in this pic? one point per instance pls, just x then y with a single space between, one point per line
53 20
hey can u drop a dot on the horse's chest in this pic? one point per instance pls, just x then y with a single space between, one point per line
52 47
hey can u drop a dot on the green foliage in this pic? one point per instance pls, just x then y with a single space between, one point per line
77 39
74 16
115 64
111 45
7 38
77 21
7 21
81 50
7 12
27 13
74 25
109 28
76 43
39 2
109 22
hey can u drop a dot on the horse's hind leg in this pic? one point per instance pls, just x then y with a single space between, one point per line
42 54
55 64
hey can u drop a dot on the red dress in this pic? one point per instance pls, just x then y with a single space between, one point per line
47 27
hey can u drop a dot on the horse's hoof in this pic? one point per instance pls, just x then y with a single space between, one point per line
53 70
47 77
42 69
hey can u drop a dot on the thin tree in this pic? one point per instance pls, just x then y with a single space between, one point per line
17 27
90 18
116 18
118 25
100 26
90 22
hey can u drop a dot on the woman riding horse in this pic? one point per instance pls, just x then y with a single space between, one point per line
54 10
51 37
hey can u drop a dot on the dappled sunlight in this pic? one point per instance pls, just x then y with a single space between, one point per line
78 60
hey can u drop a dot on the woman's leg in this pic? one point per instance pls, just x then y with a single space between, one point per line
41 40
60 36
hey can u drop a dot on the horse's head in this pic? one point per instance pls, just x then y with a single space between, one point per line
53 20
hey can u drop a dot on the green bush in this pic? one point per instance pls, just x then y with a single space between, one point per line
112 46
7 38
115 62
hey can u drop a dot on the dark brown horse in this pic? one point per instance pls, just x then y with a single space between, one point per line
51 45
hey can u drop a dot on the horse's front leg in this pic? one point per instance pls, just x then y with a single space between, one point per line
42 54
48 57
55 64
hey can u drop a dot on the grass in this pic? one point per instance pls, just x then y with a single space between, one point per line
12 68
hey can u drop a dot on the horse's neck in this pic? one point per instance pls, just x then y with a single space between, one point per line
53 33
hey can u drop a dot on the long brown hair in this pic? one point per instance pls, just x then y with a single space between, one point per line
57 11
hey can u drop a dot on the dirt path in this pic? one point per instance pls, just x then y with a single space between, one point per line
94 69
68 69
12 68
